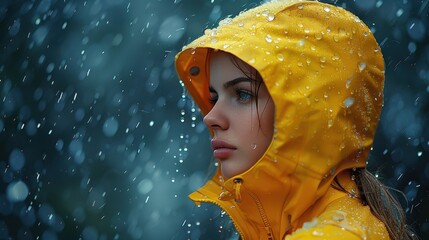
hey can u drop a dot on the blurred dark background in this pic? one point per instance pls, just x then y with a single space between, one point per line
98 139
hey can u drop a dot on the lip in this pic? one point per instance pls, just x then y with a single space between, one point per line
222 149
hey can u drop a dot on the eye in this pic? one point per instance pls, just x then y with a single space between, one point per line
244 96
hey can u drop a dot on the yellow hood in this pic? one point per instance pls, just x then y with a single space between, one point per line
324 71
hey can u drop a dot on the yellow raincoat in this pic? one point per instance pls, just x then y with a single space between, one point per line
325 72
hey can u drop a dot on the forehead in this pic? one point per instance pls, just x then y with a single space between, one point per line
225 66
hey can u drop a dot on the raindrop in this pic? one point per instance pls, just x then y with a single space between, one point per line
171 29
110 126
317 233
116 41
280 57
59 145
16 159
330 123
17 191
348 82
253 146
362 66
14 29
145 186
327 9
270 17
225 21
268 38
338 216
348 102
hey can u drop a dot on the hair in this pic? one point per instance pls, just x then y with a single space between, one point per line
383 204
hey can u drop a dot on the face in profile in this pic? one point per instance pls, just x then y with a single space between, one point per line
242 117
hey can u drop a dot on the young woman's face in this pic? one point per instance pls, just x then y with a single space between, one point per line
242 117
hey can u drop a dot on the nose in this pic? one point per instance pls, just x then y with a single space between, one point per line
216 118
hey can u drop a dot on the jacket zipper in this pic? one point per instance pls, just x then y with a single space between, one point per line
261 211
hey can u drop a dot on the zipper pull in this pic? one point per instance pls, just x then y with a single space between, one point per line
238 182
270 233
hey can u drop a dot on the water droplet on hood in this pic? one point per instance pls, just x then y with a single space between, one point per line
268 38
339 216
327 9
225 21
280 57
317 233
362 66
348 82
348 102
270 18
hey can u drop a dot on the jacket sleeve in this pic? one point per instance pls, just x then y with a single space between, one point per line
323 232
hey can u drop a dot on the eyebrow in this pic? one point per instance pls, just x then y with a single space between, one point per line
234 82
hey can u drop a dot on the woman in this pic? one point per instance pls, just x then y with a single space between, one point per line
292 92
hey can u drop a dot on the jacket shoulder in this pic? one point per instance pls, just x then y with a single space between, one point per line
344 218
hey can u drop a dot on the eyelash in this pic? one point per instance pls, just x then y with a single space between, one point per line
239 92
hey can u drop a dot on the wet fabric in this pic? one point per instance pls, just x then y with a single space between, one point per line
324 70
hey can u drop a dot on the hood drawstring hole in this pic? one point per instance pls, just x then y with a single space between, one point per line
194 71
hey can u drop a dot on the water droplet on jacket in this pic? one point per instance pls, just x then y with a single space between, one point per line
362 66
335 57
300 25
318 36
251 61
330 123
336 38
301 43
348 102
376 50
301 6
240 24
317 233
214 40
348 82
322 59
268 38
339 216
327 9
280 57
270 18
300 64
225 46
